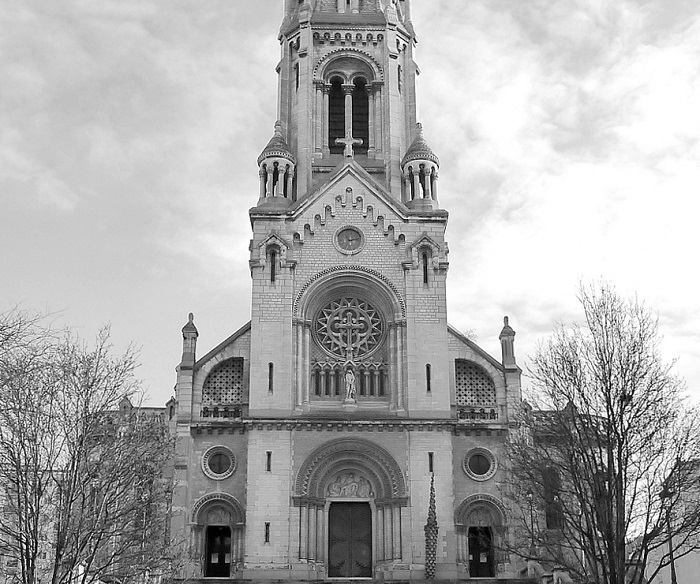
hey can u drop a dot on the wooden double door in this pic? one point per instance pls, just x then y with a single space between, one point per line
350 540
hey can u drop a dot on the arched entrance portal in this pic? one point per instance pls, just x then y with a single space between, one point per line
479 523
350 494
218 531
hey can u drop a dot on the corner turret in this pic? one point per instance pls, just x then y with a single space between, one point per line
420 168
276 165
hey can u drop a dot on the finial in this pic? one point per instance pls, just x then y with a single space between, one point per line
507 330
278 128
419 128
189 327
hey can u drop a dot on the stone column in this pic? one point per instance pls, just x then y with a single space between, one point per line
380 532
370 95
397 531
407 187
426 186
303 532
435 185
378 123
270 178
318 121
290 182
306 370
263 177
392 365
320 533
312 532
348 88
298 364
399 366
417 190
326 114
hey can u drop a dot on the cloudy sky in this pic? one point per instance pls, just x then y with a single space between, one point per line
568 133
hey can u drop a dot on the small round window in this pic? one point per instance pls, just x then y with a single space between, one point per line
480 464
218 463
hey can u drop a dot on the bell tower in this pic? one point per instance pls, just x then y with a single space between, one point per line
347 87
314 440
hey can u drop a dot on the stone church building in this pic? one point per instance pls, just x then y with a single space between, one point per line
314 442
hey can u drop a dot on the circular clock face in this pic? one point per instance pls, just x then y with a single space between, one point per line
349 239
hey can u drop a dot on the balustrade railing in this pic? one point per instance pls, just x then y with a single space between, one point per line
233 412
473 414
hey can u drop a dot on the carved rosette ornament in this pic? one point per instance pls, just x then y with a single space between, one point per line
349 328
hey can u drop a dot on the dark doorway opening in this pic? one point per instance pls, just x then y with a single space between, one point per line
218 559
481 553
350 540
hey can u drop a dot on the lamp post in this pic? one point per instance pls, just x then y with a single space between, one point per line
665 494
532 524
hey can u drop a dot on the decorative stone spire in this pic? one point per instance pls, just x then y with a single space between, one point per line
507 338
420 167
431 534
189 343
277 164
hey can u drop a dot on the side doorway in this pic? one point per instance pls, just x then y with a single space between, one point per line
218 552
481 556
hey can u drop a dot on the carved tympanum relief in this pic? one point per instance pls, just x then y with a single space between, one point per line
350 484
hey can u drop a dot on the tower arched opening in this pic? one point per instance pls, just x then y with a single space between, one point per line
360 114
336 115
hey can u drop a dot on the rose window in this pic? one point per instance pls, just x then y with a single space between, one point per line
349 328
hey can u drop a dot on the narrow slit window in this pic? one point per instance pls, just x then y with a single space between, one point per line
273 266
268 462
427 379
425 268
267 532
270 377
431 456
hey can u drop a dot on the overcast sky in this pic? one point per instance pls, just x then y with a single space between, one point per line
568 133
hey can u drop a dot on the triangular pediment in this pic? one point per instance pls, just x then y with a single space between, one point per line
366 183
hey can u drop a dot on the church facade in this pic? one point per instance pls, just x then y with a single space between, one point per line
346 431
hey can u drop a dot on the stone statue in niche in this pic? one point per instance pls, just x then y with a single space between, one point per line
350 385
346 485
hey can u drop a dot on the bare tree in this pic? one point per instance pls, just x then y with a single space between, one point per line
606 459
83 474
